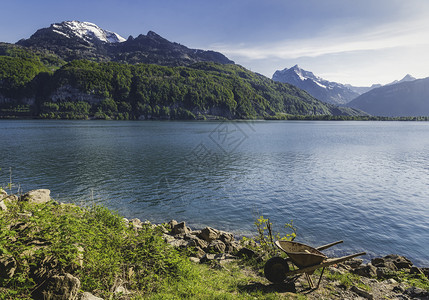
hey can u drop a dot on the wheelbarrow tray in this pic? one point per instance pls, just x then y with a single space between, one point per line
300 254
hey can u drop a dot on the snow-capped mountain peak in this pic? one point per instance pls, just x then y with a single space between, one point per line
318 87
86 31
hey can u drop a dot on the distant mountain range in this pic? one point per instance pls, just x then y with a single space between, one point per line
405 98
77 70
324 90
72 40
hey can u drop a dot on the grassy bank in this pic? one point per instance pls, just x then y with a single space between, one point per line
98 247
44 245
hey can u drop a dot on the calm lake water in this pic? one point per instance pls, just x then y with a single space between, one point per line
364 182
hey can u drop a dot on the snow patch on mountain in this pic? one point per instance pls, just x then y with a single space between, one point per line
86 31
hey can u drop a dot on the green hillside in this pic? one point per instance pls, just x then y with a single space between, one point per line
33 85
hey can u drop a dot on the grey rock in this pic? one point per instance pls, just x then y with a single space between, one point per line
400 262
366 271
7 266
88 296
226 237
207 258
3 206
216 246
391 281
168 238
400 288
80 255
384 263
233 247
3 194
362 292
172 223
383 272
179 243
37 196
417 293
136 223
198 242
224 256
209 234
199 252
194 259
353 263
62 287
180 228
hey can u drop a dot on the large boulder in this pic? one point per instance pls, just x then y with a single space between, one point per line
393 262
366 271
37 196
180 228
61 287
209 234
226 237
216 246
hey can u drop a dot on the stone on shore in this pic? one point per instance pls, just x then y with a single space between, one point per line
37 196
3 194
180 228
209 234
3 206
366 271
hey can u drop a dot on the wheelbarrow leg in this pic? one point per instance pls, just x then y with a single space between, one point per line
310 281
320 279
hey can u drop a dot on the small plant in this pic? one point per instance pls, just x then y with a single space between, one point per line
266 237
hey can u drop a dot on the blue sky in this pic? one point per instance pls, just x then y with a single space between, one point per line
348 41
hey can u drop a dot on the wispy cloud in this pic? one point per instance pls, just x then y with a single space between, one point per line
384 37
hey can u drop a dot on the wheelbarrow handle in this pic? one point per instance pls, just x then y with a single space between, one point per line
328 245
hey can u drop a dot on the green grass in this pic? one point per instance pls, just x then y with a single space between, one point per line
111 251
416 280
347 279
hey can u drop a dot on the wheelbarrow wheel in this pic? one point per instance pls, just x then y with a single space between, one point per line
275 269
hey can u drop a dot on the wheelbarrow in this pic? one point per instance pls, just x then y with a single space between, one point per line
306 258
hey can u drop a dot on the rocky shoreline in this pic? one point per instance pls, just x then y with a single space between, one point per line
219 248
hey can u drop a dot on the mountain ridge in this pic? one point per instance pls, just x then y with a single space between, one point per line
72 40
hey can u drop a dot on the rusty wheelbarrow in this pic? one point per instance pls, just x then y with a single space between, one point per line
306 258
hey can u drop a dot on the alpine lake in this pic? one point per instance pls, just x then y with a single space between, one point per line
363 182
